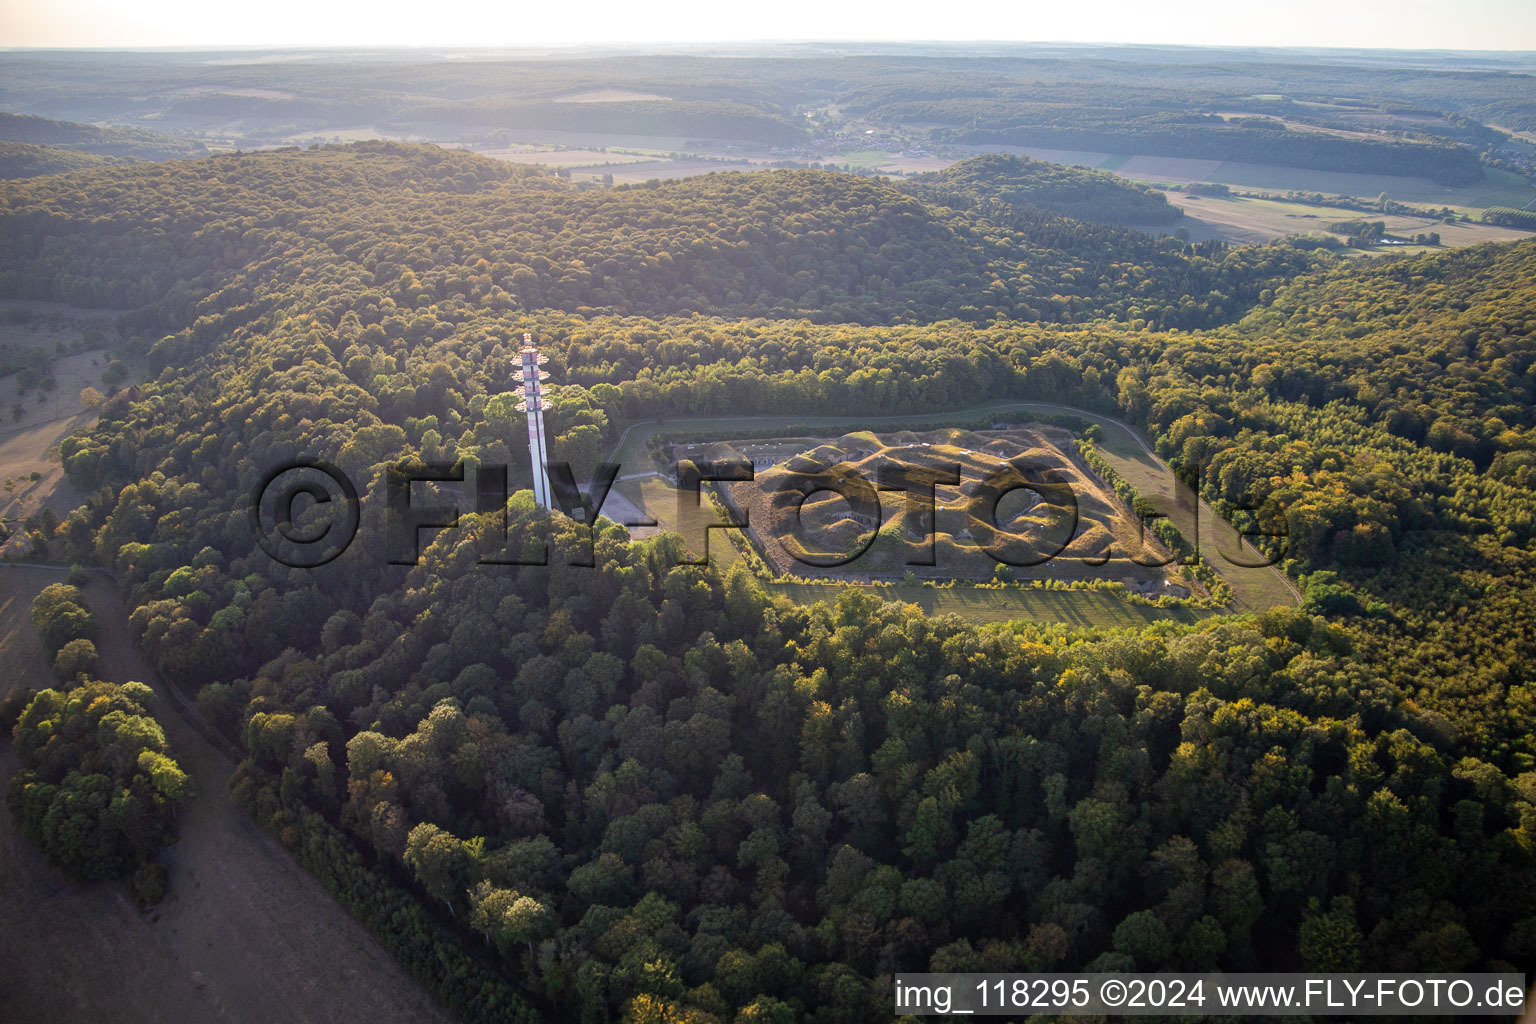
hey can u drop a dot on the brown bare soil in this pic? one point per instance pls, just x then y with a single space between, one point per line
1090 535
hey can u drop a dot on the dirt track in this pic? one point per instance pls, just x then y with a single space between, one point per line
245 934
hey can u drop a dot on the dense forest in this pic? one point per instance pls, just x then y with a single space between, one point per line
1070 191
1207 136
97 789
813 244
645 789
89 138
21 160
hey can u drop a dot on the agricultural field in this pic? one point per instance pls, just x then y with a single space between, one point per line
1251 219
1166 168
903 165
1498 188
558 138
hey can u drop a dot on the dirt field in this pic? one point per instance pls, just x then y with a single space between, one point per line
244 935
27 443
26 451
1091 537
621 508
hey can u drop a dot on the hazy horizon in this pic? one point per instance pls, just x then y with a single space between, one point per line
1494 26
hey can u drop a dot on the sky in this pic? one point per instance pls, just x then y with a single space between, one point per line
1385 24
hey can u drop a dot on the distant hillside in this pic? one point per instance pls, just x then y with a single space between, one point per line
1069 191
820 245
1188 134
88 138
23 160
689 119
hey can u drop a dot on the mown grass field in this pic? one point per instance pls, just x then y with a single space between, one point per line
658 499
1254 588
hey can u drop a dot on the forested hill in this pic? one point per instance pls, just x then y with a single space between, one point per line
647 787
424 224
23 160
1070 191
89 138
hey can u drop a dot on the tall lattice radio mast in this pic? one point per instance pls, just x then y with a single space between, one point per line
532 403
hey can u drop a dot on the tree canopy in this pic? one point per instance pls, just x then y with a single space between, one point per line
652 790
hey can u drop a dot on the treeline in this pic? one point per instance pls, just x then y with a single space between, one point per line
1409 121
710 118
1070 191
1508 217
437 957
1167 534
1202 136
1298 430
